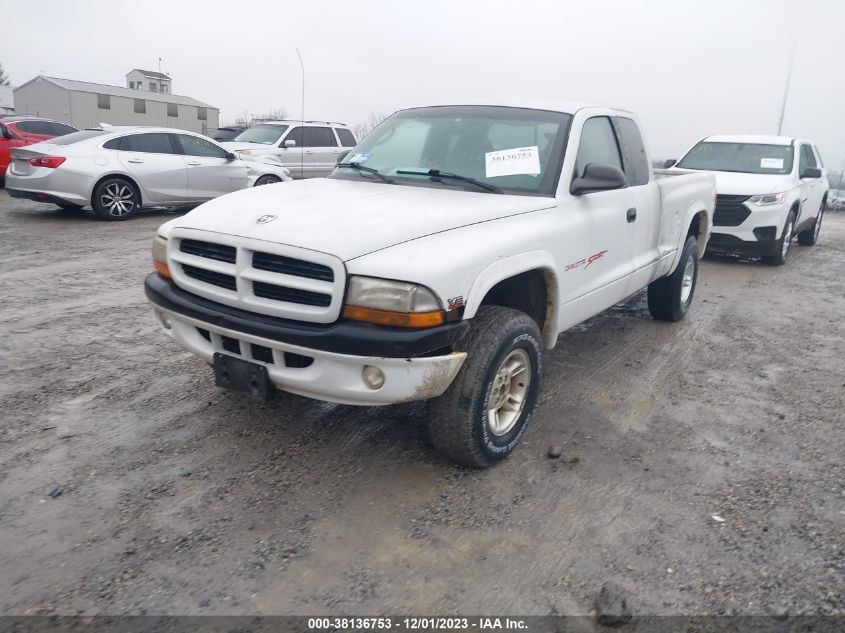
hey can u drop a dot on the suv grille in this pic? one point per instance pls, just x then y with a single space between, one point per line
730 211
259 276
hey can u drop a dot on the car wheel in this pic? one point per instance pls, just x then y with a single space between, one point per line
115 199
669 298
784 243
483 415
266 180
811 235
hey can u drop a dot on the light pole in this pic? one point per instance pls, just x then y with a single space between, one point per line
786 87
302 117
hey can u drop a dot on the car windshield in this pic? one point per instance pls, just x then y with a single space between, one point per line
264 134
507 150
75 137
746 158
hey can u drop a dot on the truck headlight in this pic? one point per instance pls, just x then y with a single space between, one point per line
768 199
387 302
160 257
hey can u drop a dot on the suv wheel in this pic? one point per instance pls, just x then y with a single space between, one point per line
811 236
669 298
482 416
115 199
784 243
266 180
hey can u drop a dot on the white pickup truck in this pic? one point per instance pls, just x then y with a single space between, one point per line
443 254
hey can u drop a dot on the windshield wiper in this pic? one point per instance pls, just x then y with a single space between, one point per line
436 173
369 170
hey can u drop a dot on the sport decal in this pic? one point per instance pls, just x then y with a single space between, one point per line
586 261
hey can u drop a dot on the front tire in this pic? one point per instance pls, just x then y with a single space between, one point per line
669 298
483 415
116 199
784 243
266 180
811 235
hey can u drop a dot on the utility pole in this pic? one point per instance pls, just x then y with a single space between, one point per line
786 87
302 117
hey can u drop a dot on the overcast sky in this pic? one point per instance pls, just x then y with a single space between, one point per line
687 68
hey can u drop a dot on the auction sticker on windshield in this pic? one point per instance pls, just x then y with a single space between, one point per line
513 162
771 163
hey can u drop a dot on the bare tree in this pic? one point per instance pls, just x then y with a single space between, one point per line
277 114
4 78
365 127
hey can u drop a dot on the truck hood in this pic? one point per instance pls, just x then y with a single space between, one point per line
349 219
732 183
234 146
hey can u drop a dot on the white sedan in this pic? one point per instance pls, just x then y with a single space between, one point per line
118 170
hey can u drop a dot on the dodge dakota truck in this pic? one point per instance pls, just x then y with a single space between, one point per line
440 258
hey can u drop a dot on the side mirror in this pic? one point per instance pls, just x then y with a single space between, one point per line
811 172
598 177
669 163
341 156
230 156
289 144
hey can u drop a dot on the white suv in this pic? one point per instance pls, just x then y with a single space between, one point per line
310 149
769 188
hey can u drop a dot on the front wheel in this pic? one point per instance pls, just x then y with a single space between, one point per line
669 298
783 244
115 199
266 180
483 415
811 236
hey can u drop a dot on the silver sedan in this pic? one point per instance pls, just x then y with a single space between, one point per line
118 170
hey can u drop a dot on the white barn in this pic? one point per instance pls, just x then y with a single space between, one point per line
83 104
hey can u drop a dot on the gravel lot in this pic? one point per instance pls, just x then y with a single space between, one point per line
702 465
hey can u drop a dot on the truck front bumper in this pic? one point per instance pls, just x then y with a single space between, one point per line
416 364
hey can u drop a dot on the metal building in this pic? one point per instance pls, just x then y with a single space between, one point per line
83 104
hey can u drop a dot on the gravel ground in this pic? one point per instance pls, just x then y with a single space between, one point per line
701 472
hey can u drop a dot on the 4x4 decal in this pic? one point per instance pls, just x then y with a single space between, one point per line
586 261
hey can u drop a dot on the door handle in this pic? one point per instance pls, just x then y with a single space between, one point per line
194 163
631 214
136 161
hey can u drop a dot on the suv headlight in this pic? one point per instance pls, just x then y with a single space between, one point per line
388 302
160 256
768 200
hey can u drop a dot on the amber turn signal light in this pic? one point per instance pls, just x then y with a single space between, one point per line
395 319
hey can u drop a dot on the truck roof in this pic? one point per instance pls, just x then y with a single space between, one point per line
761 139
567 107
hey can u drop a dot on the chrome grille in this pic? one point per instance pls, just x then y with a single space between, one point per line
258 276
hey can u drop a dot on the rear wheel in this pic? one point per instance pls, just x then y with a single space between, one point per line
482 416
784 243
669 298
811 235
267 180
115 199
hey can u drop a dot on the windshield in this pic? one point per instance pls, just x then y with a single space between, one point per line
746 158
264 134
512 150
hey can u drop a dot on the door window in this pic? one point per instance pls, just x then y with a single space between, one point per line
633 151
807 159
151 143
598 145
36 127
346 137
197 146
320 137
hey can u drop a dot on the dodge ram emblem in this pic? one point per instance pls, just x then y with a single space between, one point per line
264 219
